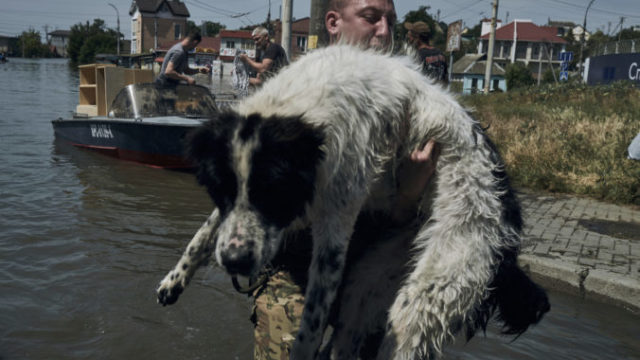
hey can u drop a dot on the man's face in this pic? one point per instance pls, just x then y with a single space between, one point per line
367 22
260 40
412 38
191 44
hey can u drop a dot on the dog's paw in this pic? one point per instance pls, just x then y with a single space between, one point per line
170 288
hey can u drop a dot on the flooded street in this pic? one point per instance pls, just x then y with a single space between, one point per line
84 240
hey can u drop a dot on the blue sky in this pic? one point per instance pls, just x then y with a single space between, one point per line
19 15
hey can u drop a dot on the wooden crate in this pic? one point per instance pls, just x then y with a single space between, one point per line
101 83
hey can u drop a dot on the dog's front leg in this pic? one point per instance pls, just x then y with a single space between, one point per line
330 239
196 254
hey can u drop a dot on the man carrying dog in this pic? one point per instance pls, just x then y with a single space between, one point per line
280 300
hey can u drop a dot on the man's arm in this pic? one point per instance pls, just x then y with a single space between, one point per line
260 67
413 177
171 72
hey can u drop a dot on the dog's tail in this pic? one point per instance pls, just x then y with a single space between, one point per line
515 300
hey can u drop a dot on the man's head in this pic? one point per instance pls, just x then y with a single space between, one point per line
260 37
418 32
191 41
366 22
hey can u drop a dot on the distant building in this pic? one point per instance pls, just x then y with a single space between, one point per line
154 22
233 40
7 44
469 71
568 27
522 40
299 36
58 41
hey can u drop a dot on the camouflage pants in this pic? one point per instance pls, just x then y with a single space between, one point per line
276 315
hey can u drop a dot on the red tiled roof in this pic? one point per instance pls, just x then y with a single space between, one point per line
242 34
177 7
528 31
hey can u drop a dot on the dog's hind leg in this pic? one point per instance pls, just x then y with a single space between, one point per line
196 254
455 259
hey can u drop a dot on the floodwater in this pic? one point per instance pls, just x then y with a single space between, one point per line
84 239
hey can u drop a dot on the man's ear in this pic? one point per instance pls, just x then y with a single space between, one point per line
332 23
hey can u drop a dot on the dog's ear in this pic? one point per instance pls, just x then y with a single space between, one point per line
209 147
284 168
212 137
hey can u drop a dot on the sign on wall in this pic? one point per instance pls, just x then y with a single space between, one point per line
454 36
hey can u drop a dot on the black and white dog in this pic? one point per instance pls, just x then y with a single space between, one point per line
320 144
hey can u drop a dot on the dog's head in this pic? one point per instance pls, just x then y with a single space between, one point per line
261 174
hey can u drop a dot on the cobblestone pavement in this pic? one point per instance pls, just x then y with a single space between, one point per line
590 245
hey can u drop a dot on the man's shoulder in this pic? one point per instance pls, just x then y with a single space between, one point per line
429 51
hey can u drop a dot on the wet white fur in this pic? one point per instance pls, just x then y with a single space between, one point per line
374 110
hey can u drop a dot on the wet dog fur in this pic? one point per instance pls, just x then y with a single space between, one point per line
320 144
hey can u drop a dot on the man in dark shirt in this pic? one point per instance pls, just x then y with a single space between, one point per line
176 63
270 57
434 64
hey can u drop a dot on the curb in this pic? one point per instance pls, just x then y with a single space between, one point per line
590 283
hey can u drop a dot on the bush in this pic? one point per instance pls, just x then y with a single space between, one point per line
518 76
567 137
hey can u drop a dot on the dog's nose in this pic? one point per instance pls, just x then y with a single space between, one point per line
238 260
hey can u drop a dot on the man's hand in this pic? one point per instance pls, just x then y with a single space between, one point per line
413 177
243 57
190 80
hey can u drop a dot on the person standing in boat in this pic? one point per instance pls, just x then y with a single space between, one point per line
175 66
270 57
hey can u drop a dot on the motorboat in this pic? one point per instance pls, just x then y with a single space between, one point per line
145 123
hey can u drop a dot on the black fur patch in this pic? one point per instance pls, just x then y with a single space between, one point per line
283 169
210 147
249 126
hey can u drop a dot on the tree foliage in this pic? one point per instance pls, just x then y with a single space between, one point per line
87 40
518 76
30 46
438 30
210 28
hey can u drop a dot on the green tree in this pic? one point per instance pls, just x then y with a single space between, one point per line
30 46
518 76
211 28
87 40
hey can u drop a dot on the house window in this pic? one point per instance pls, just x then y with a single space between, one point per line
177 32
474 85
302 43
231 44
134 46
521 50
608 74
535 50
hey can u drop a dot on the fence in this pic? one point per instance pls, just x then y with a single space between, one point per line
618 47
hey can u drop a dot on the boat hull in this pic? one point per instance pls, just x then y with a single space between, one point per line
156 142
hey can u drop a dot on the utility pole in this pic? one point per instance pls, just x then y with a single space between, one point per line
620 32
317 30
492 40
287 12
118 35
269 28
584 30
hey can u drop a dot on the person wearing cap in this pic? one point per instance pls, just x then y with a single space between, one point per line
434 64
